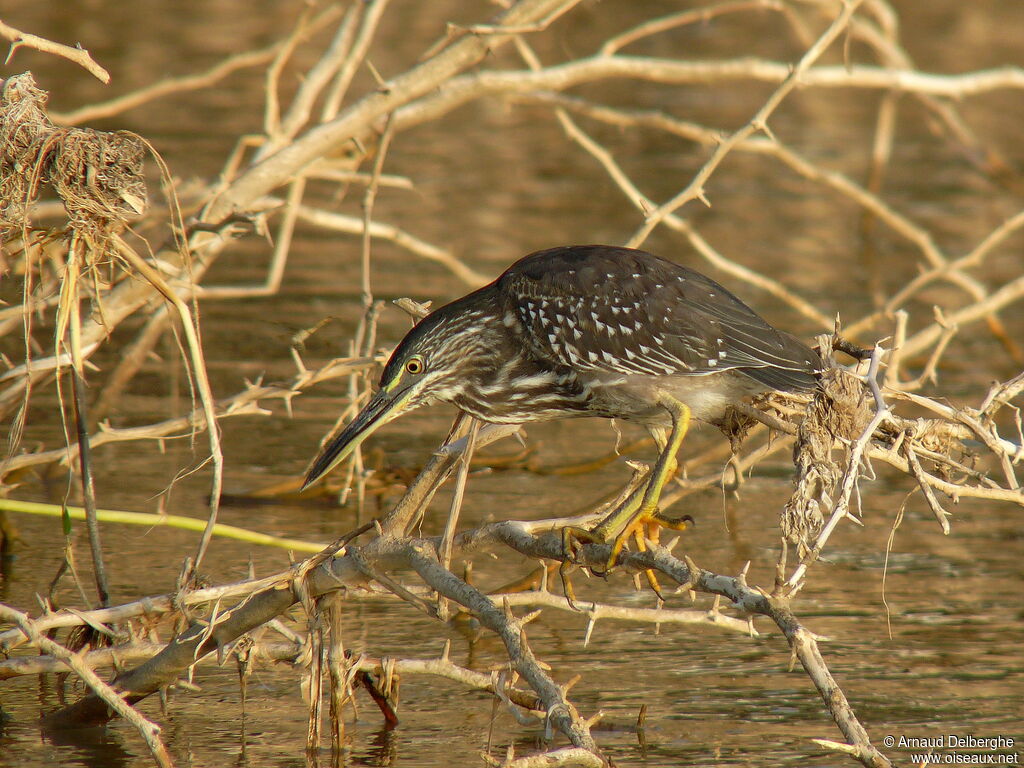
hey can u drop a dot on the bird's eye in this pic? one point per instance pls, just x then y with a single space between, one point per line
414 366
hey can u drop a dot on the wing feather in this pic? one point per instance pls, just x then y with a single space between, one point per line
622 311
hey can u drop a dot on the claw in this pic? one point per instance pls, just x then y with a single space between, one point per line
652 582
572 538
638 514
650 529
674 523
567 590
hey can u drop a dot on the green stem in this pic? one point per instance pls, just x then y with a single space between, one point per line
154 520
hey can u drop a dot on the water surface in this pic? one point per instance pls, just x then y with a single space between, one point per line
940 655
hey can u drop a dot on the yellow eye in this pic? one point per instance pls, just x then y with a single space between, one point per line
414 366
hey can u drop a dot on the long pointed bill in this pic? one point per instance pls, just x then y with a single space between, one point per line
382 408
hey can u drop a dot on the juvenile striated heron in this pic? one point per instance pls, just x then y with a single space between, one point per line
589 330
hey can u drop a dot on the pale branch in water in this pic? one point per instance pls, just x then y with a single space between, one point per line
339 222
103 693
113 316
78 55
940 265
928 451
244 403
535 539
129 296
749 600
560 77
138 651
333 574
166 87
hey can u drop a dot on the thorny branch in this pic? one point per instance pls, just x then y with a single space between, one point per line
78 55
869 414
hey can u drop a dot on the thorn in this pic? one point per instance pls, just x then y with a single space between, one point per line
693 569
570 683
742 578
593 720
446 650
529 617
590 630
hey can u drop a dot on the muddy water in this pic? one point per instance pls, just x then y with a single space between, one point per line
934 652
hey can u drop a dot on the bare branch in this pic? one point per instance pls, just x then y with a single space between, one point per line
79 56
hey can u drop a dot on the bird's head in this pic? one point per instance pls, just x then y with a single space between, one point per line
435 361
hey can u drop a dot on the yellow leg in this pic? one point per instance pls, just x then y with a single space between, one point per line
618 526
639 512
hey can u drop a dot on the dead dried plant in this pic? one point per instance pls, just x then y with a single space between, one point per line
864 413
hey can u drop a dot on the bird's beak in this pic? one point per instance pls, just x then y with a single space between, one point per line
382 408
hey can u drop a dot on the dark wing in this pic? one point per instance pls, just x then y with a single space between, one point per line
624 311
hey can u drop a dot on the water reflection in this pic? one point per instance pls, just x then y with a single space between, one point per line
90 747
507 184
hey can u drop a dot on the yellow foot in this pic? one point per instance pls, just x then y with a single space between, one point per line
644 525
650 529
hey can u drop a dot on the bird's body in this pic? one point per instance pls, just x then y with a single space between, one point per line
589 330
586 331
603 331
